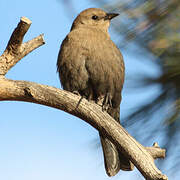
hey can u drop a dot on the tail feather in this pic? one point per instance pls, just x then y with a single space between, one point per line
111 157
114 159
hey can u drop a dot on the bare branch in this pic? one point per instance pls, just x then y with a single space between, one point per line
15 50
142 157
89 112
156 151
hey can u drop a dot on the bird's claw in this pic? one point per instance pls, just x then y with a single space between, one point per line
77 93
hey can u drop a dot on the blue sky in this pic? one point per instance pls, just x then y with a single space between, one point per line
39 142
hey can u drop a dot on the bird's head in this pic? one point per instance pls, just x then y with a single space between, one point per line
93 17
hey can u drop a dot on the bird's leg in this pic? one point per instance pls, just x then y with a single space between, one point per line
90 96
106 102
99 100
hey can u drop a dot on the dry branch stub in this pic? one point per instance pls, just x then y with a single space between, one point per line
15 49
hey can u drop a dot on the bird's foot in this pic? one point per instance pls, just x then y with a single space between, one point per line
77 93
106 102
99 101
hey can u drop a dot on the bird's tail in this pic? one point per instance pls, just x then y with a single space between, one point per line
114 159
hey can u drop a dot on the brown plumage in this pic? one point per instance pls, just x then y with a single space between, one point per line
90 64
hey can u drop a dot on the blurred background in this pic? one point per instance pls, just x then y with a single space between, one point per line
38 142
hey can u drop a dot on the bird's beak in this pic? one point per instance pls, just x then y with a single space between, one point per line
110 16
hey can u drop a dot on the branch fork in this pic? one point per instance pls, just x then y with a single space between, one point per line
142 157
15 49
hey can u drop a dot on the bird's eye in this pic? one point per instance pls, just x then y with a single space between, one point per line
94 17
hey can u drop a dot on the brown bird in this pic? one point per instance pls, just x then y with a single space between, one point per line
90 64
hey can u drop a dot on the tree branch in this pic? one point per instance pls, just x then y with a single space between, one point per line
15 50
141 157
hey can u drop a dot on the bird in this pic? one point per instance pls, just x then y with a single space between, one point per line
90 65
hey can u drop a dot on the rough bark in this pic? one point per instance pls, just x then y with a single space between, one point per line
142 157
